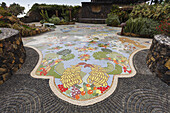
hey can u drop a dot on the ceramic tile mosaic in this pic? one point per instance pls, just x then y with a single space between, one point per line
84 61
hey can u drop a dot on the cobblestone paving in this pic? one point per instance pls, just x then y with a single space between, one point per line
144 93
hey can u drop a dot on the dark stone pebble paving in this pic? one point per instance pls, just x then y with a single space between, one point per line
144 93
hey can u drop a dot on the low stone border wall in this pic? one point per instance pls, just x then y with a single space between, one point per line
158 58
12 53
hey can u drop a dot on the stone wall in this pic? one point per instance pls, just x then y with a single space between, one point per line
32 16
94 12
158 58
12 53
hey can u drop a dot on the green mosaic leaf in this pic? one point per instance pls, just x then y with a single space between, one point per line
117 70
109 68
64 52
106 50
68 57
51 56
60 68
100 54
53 73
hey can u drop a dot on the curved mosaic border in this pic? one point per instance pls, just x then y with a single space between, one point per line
87 102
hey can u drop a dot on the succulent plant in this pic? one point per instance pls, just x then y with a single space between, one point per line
155 12
141 26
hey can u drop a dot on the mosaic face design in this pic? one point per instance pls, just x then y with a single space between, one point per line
85 70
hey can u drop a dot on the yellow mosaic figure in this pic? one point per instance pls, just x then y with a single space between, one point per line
98 76
71 76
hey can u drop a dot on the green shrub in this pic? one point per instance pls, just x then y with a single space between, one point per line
27 27
141 26
112 20
42 21
149 28
134 25
3 24
115 9
4 12
156 12
54 20
123 15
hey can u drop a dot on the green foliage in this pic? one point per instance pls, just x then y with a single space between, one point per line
16 9
54 20
4 12
156 12
112 20
115 9
42 21
62 21
3 24
63 10
141 26
44 15
149 28
66 15
27 27
75 12
3 5
164 27
134 25
122 15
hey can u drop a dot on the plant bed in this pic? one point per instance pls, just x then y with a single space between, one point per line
114 26
134 35
24 29
67 23
141 27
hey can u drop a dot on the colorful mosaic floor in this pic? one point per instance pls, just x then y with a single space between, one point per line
84 62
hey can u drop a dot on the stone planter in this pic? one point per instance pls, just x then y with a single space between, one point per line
158 59
12 53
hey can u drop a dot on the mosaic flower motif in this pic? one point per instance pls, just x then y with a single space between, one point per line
84 57
85 49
